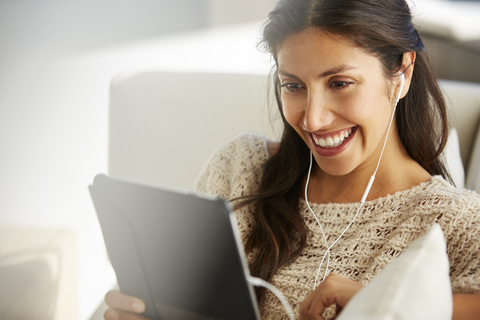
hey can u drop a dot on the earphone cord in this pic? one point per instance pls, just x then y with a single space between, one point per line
364 197
319 224
323 233
262 283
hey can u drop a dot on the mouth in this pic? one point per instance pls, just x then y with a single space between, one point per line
334 143
333 140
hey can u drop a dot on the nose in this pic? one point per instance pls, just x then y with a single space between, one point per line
318 113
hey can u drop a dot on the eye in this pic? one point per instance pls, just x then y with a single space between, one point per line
292 87
340 84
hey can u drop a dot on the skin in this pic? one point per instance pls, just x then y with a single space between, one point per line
335 289
331 85
337 86
123 307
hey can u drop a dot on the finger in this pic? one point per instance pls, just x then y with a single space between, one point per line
304 308
115 314
118 300
335 289
317 307
315 303
339 290
309 310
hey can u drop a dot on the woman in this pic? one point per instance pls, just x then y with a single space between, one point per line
340 67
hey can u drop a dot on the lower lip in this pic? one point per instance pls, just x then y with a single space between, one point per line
330 152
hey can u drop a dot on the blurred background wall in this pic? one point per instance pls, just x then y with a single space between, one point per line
54 104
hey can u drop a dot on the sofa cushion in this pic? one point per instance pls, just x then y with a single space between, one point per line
453 159
38 273
473 177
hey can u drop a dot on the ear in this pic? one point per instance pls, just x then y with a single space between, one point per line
408 64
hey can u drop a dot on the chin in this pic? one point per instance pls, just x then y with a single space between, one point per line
336 169
340 165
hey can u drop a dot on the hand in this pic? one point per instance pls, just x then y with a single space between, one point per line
334 290
123 307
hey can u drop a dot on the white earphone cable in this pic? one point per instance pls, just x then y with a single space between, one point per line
319 224
262 283
323 233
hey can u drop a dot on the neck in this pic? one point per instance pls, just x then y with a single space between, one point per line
396 172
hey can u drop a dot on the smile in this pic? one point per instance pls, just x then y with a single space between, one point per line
332 140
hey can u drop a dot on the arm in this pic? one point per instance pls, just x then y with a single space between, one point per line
466 306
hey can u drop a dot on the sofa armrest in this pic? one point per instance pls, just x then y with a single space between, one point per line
38 269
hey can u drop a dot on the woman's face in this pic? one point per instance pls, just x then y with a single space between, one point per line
336 97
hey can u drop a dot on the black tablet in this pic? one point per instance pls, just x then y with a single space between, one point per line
178 251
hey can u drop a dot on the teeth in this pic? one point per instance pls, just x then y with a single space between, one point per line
334 141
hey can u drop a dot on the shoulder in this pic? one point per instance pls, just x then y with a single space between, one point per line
244 145
451 204
436 201
235 167
438 191
460 207
410 213
460 221
462 235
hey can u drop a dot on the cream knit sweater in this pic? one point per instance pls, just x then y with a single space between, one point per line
382 230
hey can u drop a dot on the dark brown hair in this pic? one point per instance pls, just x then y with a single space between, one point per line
383 28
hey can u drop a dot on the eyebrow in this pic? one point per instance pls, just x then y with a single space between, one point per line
341 68
335 70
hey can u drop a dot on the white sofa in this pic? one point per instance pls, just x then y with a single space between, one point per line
164 126
450 31
38 274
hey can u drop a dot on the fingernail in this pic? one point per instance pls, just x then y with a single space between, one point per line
138 306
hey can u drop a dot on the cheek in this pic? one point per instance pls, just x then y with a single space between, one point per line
354 109
292 111
365 108
372 116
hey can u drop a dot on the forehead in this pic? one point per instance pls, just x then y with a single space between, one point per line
316 50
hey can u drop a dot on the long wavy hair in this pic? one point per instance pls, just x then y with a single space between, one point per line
383 28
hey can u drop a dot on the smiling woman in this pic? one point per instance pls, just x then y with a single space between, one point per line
359 101
332 89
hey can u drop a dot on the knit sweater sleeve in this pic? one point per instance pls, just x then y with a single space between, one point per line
235 168
463 244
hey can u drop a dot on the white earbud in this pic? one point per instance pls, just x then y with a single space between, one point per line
402 82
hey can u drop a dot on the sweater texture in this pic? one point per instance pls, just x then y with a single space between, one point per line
381 232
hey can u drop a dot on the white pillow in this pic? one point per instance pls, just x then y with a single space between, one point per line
473 178
453 159
416 286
